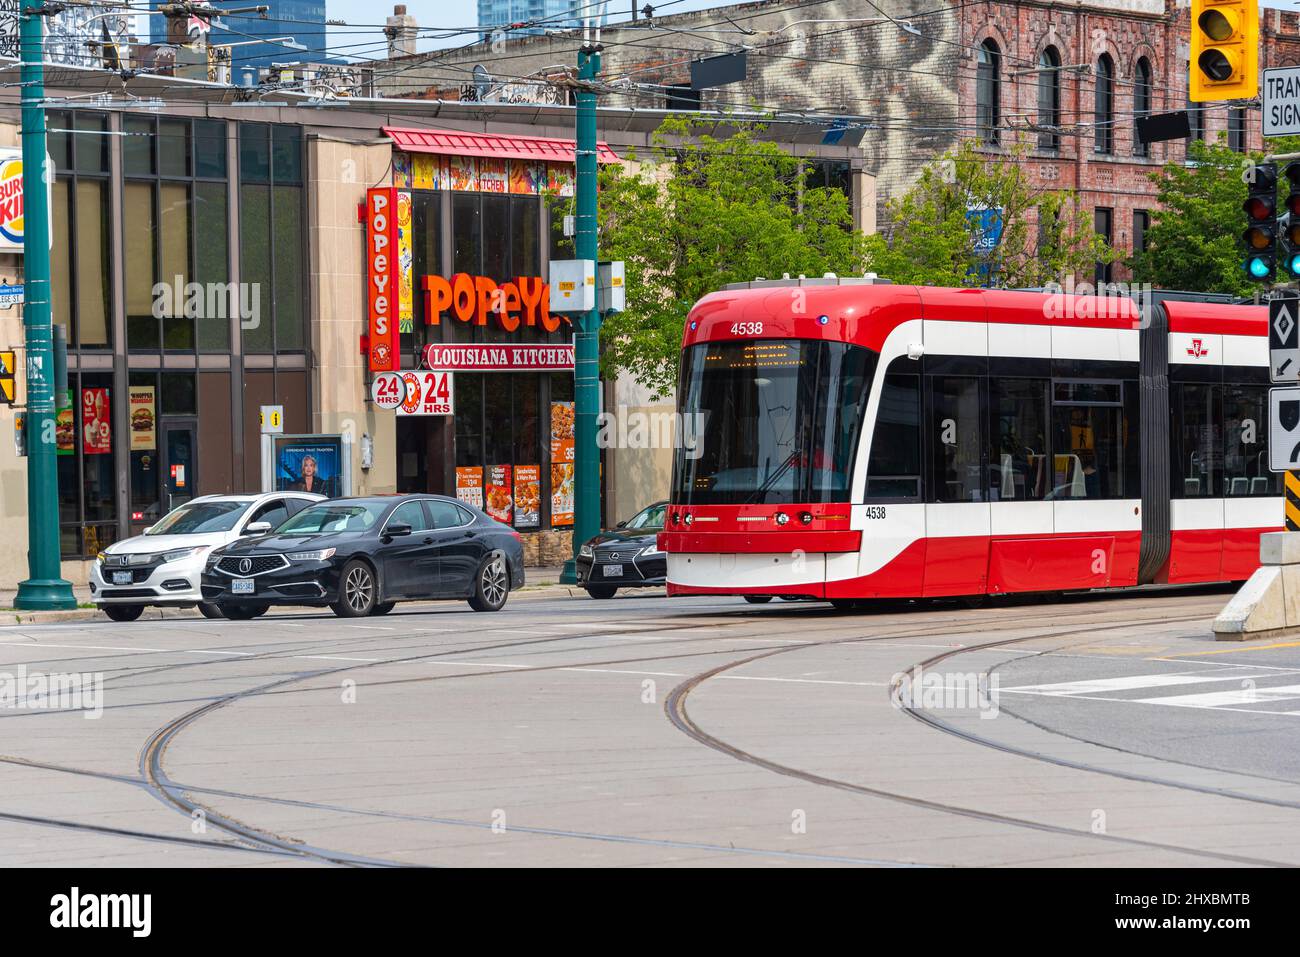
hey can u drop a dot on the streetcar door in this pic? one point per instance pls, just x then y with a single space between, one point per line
957 516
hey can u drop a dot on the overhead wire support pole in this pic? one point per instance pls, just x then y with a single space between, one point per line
586 372
44 588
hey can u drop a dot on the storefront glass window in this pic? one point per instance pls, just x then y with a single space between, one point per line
139 226
174 250
211 262
80 284
271 226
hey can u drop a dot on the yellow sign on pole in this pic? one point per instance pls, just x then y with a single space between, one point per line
8 382
1292 499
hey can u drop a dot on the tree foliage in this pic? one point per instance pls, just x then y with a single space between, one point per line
698 212
930 240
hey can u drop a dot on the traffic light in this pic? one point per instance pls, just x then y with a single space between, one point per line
1290 224
1260 235
1225 50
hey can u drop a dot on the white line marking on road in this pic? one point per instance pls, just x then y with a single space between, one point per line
178 651
1125 683
333 658
1216 698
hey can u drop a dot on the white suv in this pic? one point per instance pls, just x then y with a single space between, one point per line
165 564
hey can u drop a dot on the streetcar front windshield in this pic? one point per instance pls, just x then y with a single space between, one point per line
773 421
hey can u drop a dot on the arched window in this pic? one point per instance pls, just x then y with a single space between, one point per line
1049 98
1141 101
1103 109
988 93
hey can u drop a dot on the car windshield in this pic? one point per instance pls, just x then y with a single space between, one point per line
652 517
194 518
334 518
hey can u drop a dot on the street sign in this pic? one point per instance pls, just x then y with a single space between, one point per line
1284 340
388 390
272 419
8 365
1280 96
1284 429
10 295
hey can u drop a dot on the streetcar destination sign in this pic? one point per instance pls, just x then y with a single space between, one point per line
1280 96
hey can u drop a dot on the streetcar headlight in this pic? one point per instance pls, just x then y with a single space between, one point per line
687 519
805 518
782 518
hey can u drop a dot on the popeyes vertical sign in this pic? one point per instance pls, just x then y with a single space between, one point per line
381 277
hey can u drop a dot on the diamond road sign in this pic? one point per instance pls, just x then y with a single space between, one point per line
1284 340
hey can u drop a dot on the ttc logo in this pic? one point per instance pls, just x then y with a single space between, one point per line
1197 350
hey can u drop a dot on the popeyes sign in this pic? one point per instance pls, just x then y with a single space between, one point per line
524 302
381 272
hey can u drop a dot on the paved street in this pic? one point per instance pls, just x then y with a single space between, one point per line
652 732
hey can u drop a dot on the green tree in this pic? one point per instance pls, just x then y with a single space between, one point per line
695 213
931 241
1194 240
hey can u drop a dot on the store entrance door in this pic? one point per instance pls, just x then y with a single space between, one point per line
179 471
426 454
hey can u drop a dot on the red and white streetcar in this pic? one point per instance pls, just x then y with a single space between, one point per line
853 439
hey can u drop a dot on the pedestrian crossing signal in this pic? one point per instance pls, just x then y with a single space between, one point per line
8 385
1224 50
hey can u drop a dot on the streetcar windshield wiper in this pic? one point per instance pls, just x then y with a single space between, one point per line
771 479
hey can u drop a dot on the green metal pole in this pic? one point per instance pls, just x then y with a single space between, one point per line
45 588
586 351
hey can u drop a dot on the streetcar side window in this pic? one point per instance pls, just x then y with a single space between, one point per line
956 439
1095 450
1245 442
1019 426
1196 443
894 470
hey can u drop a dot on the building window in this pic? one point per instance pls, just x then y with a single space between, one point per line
1102 223
271 223
80 278
1237 129
1141 101
988 93
1103 108
175 233
1195 121
85 465
1049 99
1141 223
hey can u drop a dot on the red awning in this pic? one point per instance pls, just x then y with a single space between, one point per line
460 143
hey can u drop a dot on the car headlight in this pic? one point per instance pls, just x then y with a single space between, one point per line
586 551
179 553
651 550
320 555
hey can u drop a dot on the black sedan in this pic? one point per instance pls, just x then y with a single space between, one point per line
360 556
626 556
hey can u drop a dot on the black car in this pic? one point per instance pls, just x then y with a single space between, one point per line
626 556
360 556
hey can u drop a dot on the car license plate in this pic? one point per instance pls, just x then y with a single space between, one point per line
613 571
121 578
241 586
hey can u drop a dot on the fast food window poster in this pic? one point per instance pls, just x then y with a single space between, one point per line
469 485
144 427
96 422
309 466
528 496
65 426
561 494
499 501
561 431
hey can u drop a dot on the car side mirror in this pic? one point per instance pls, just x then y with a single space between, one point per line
396 529
147 530
621 525
257 528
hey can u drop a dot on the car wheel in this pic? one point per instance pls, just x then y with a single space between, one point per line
384 608
209 610
358 591
601 591
758 599
244 612
492 587
124 612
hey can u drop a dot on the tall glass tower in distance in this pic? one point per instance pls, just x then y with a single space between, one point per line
556 13
302 20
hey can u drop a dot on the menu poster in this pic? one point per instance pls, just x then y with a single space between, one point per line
528 496
469 485
96 427
561 432
499 501
144 430
65 426
405 260
561 494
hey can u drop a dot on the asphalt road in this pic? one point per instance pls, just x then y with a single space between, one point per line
652 732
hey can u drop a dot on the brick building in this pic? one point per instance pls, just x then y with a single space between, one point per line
911 78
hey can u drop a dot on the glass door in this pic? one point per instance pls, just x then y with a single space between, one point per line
179 471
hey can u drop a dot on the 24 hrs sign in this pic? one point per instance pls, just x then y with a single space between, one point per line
427 392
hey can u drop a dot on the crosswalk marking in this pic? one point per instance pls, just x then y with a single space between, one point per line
1216 699
1126 683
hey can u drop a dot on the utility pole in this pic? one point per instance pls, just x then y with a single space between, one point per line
586 352
45 588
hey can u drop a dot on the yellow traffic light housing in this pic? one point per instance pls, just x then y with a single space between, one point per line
1225 50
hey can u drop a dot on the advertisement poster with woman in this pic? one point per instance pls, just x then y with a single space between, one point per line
314 466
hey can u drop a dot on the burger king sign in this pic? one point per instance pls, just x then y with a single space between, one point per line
11 199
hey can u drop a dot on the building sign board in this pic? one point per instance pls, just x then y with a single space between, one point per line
499 358
1280 97
474 299
382 277
430 392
